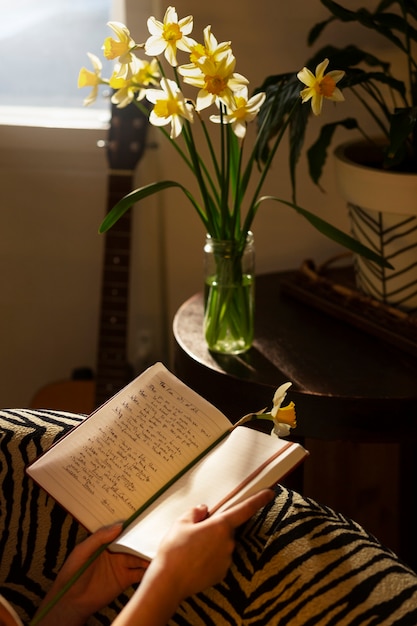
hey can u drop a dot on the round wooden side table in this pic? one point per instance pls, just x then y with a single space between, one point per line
347 384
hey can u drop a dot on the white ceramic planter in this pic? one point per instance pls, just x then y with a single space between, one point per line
383 210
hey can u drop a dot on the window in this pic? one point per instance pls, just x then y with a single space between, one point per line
43 45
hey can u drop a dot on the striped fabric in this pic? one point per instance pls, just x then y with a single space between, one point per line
296 562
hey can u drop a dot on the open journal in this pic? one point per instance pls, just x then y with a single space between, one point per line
153 451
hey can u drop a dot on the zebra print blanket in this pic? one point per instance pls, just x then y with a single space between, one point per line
296 563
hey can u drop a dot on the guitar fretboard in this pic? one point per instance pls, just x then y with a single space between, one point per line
113 371
125 148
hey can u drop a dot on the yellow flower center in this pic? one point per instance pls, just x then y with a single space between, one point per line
118 83
198 51
240 112
143 77
165 108
113 49
172 32
326 86
215 84
286 415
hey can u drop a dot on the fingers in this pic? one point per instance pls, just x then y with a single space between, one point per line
100 537
133 562
107 533
240 513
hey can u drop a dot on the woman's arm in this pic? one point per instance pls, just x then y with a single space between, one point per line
194 555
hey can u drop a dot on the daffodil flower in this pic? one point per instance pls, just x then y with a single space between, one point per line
170 107
211 49
88 78
121 49
144 74
169 35
242 111
320 86
215 79
284 417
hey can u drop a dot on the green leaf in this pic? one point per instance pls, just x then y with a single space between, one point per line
317 29
140 194
333 233
317 153
380 21
359 77
403 123
297 131
282 91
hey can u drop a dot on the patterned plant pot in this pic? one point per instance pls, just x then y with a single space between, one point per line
383 211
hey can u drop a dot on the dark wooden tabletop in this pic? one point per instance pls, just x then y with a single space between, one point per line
347 383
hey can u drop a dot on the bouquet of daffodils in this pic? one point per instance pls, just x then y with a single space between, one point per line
220 168
222 165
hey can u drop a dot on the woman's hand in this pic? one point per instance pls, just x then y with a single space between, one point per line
194 555
197 552
108 576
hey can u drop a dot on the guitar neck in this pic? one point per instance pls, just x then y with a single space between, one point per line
113 371
125 148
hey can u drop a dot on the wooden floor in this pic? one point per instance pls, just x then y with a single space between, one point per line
359 480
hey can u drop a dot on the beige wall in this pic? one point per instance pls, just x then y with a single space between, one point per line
53 195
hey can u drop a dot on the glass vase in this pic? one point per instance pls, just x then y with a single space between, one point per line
229 295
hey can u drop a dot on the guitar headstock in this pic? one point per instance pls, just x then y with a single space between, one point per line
126 137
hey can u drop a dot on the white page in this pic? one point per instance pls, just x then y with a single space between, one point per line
97 473
209 482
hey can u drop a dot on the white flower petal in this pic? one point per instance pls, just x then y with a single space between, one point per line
279 397
154 46
176 126
155 27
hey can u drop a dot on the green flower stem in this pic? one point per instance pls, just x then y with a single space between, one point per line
229 309
238 194
195 159
254 205
214 187
224 166
226 318
211 148
41 614
125 525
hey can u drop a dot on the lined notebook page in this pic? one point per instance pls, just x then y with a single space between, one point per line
215 477
113 462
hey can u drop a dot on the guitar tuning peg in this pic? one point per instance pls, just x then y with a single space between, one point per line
139 122
134 146
102 143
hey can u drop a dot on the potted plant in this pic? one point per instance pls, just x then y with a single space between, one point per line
377 176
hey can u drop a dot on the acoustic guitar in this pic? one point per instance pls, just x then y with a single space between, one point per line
84 391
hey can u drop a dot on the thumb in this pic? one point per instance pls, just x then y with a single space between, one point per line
196 514
104 535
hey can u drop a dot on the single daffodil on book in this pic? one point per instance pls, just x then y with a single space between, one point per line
284 417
